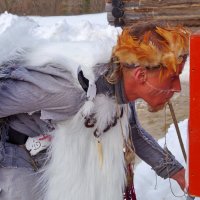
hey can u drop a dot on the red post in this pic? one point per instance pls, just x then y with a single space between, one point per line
194 118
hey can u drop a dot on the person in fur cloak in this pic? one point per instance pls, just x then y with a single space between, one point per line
84 114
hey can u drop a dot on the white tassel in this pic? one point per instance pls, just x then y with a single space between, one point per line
92 91
87 108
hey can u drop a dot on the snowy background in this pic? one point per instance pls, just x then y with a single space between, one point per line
17 32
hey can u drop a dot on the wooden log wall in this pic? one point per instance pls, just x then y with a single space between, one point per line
185 12
52 7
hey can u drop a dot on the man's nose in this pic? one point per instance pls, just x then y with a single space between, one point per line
177 85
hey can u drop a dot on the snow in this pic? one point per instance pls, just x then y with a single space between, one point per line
145 179
18 32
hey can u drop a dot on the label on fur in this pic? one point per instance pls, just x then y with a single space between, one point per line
36 144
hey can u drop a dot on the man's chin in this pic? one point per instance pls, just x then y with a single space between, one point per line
156 108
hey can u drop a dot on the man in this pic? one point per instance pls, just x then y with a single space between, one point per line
91 124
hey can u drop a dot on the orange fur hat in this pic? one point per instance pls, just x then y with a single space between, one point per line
165 47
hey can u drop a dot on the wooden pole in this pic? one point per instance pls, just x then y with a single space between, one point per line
177 130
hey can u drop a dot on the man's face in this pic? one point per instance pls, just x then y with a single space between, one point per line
158 90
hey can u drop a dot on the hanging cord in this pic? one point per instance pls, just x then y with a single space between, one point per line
129 157
156 183
167 155
127 142
179 138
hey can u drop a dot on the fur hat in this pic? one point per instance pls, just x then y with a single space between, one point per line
156 47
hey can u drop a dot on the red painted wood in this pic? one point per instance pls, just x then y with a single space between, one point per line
194 118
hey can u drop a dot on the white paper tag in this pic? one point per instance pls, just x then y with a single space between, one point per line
37 144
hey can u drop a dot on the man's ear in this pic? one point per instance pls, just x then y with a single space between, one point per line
140 74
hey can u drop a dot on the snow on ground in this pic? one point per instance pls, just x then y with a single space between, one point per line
150 186
17 32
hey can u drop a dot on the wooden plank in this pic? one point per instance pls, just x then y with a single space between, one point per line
152 3
188 21
168 11
163 17
178 7
164 2
178 10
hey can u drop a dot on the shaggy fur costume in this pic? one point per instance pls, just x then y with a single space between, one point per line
74 171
